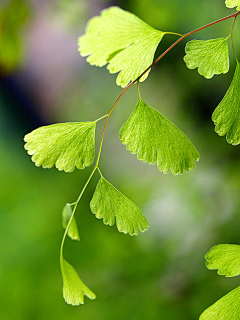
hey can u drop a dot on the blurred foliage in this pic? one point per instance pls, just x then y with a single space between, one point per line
159 274
13 18
71 12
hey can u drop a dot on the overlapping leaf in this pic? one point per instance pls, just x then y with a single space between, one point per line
226 116
64 145
155 139
110 204
73 229
209 56
73 287
226 308
225 258
121 39
232 4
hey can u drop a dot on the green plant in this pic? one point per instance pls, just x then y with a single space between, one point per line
127 44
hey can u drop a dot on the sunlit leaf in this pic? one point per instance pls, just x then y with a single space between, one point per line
155 139
108 203
226 116
73 229
232 4
121 39
73 287
209 56
226 308
64 144
225 258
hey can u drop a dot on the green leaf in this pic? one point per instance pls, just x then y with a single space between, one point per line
209 56
232 4
226 116
227 308
155 139
73 229
73 287
108 203
225 258
64 144
121 39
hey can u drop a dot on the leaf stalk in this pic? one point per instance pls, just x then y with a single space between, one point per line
234 15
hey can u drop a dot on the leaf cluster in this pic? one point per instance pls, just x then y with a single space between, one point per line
127 46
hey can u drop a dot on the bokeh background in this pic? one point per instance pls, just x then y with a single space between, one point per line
161 273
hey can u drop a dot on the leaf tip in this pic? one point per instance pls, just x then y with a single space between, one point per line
73 287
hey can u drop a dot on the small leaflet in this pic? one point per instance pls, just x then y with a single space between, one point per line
121 39
110 204
226 116
226 308
73 287
225 258
209 56
155 139
64 145
232 4
73 229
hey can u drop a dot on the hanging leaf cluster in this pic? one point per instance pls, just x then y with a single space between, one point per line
212 57
127 46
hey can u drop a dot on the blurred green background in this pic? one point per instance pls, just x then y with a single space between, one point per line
161 273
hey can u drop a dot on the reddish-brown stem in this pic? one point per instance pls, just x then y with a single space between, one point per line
104 128
183 37
154 62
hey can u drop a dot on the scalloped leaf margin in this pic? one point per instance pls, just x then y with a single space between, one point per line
155 139
122 40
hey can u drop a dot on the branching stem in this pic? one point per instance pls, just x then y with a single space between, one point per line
74 209
234 15
121 94
185 36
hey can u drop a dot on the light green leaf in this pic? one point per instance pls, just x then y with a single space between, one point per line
121 39
209 56
226 116
73 229
73 287
226 308
232 4
64 144
155 139
225 258
108 203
